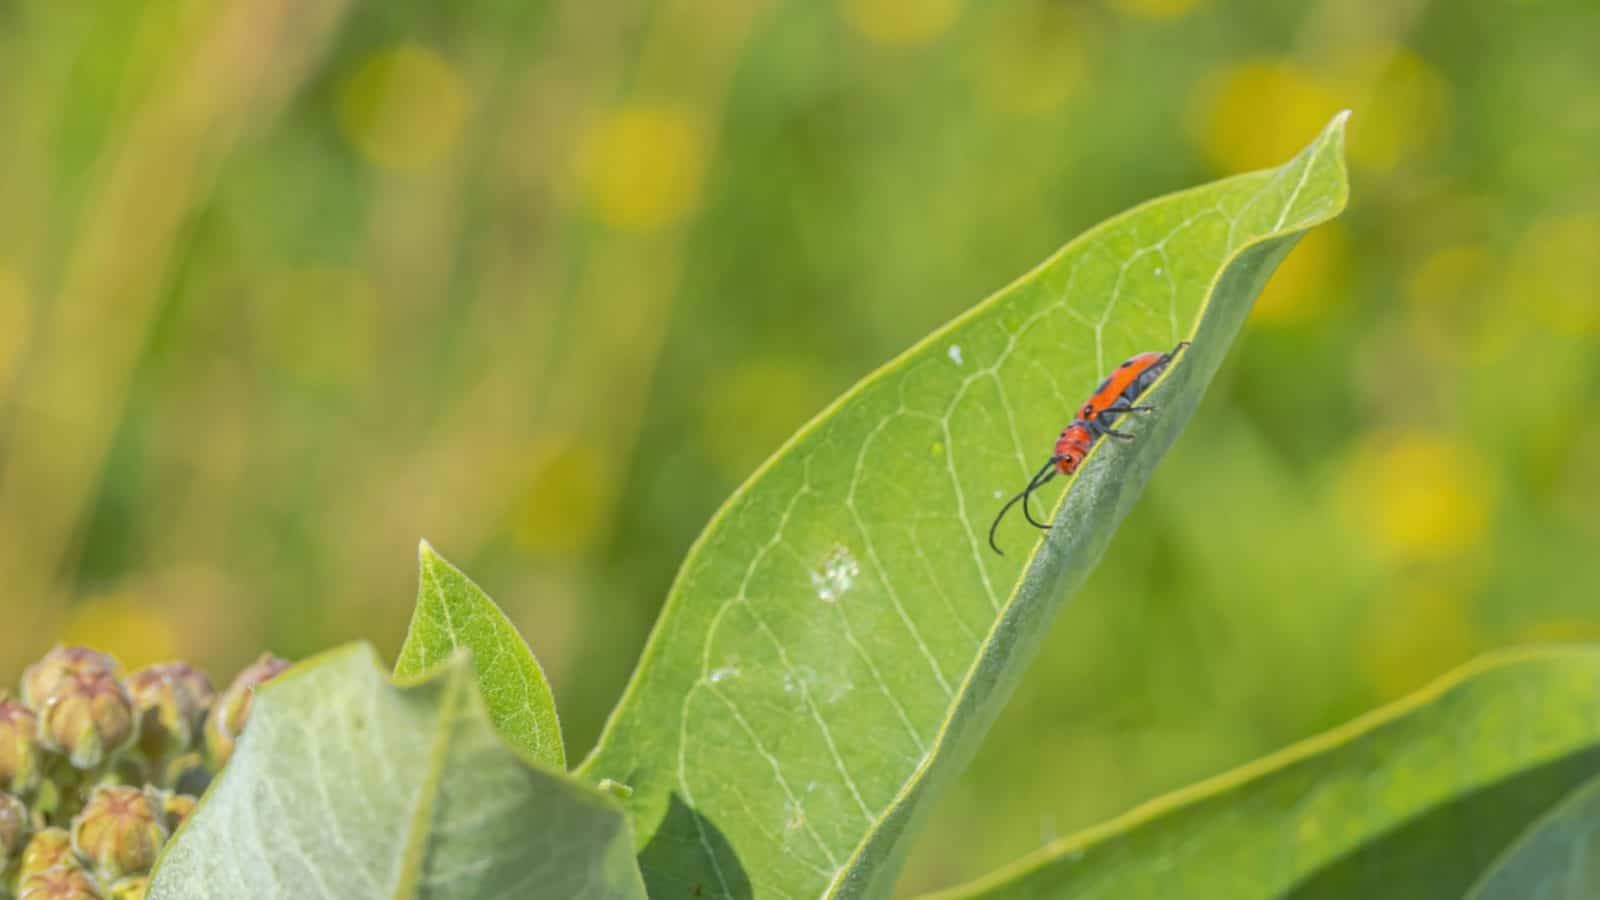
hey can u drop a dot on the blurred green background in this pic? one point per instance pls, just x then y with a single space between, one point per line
286 285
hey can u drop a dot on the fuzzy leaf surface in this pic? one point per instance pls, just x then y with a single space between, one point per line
840 637
346 786
454 613
1410 802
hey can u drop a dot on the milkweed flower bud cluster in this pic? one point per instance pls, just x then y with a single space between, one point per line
99 767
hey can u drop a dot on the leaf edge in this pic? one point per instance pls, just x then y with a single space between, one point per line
1276 761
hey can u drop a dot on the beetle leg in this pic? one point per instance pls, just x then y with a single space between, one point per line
1117 411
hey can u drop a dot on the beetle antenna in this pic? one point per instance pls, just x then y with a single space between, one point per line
1038 482
1039 478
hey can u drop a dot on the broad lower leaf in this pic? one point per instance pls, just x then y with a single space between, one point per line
345 786
1558 858
1411 802
453 613
841 636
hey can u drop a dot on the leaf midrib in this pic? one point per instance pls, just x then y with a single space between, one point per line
415 856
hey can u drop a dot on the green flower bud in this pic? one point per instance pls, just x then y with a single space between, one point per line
130 888
41 679
232 709
120 830
20 764
13 827
49 848
60 883
87 717
170 700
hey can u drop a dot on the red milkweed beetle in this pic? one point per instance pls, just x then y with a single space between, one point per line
1096 419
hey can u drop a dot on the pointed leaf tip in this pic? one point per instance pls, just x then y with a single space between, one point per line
452 615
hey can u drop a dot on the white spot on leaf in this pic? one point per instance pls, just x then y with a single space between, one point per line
723 673
804 682
955 354
836 575
798 678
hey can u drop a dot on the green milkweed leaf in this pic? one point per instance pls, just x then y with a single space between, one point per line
1410 802
840 637
1557 858
346 786
452 613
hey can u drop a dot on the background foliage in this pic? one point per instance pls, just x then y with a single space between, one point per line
285 285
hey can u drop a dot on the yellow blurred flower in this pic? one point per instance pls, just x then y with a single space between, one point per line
750 413
901 23
1458 310
641 167
319 323
1157 10
1417 497
1554 271
404 108
1414 633
1401 103
14 323
124 626
1028 65
1258 113
565 504
1303 286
